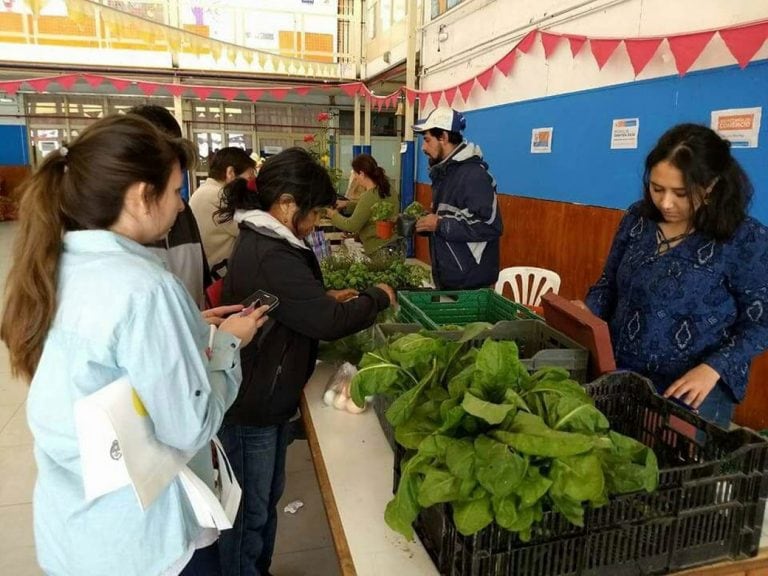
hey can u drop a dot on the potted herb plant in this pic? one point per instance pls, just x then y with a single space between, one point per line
382 213
406 223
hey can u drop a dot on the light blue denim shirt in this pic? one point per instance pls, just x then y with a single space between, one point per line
120 313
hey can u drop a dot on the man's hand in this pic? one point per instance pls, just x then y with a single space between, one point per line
694 386
428 223
343 295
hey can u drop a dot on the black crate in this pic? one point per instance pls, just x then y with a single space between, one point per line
708 507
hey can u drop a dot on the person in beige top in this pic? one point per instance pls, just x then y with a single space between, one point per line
219 238
371 177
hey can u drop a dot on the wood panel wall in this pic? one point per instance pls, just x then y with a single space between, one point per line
12 177
574 240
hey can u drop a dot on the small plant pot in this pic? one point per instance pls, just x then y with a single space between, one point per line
384 229
406 226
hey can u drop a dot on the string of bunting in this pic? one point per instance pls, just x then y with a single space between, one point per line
743 42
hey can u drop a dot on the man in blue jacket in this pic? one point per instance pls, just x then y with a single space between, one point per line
465 223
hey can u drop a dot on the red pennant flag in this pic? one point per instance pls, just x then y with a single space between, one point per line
175 89
745 42
576 43
93 80
484 79
450 95
350 89
506 64
201 92
525 44
466 88
435 96
324 87
39 84
302 90
119 83
279 93
550 42
687 48
253 95
379 102
67 82
228 93
602 50
641 51
147 87
410 95
10 88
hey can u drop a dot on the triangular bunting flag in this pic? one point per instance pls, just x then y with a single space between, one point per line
119 83
93 80
147 88
506 64
175 89
484 79
602 49
228 93
435 96
465 88
745 42
350 89
302 90
253 95
67 82
201 92
525 44
10 88
550 42
687 48
576 43
410 95
39 84
247 56
641 51
325 87
450 94
279 93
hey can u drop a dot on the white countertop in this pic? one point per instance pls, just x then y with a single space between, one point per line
359 467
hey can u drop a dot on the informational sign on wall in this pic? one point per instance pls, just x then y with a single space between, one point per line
541 140
624 133
740 126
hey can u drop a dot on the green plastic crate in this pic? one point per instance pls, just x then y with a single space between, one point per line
434 308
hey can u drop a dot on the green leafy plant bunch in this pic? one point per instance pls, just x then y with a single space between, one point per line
497 443
319 146
341 271
382 210
414 210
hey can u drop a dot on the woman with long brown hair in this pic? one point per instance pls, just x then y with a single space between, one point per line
87 304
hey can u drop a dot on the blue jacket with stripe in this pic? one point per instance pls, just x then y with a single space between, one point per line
465 246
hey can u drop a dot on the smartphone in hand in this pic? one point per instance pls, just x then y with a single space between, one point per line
258 299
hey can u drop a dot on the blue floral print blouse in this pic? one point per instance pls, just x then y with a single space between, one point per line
702 301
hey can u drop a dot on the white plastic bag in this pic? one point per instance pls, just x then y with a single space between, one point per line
337 390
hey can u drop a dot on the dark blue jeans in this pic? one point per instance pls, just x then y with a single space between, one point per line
257 455
204 562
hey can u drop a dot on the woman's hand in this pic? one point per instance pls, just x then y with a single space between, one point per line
341 204
217 315
694 386
343 295
245 327
330 211
390 293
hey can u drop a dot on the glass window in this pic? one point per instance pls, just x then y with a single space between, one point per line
370 21
385 14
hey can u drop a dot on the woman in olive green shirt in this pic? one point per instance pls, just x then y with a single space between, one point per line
372 178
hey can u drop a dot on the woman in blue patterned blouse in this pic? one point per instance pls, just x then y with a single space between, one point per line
685 286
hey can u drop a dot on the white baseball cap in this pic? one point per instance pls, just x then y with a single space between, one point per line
444 118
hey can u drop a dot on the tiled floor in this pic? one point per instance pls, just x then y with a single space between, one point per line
303 547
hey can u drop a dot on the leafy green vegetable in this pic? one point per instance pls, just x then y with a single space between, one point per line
414 210
382 210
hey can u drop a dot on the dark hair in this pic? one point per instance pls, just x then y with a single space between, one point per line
160 117
453 137
294 172
226 157
80 186
367 164
705 160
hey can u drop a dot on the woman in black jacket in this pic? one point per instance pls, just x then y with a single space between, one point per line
270 255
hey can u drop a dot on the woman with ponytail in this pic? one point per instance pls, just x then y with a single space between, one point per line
86 304
373 179
270 254
685 286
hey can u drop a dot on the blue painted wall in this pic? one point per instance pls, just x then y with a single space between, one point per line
13 145
582 168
